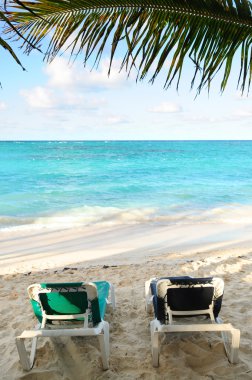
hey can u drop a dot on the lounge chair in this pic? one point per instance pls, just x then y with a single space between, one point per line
186 297
84 304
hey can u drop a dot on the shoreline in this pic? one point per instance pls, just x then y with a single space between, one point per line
29 250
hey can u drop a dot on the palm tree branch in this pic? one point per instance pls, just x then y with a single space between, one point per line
210 31
219 10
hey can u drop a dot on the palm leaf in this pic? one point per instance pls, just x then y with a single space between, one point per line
151 32
4 44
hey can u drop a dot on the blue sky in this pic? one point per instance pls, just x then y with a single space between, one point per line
70 102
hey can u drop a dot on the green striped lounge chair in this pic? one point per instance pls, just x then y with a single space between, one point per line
178 302
68 309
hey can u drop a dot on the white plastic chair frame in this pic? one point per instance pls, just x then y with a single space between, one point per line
45 330
216 325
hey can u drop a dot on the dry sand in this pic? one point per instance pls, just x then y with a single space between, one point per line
126 256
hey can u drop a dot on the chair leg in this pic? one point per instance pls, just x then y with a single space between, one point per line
112 296
33 350
148 298
26 361
154 345
149 306
233 348
104 345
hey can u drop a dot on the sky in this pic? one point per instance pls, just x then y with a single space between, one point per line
62 101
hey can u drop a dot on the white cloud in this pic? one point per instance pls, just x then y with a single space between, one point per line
39 97
242 112
100 77
3 106
61 74
72 87
74 99
42 98
116 119
166 107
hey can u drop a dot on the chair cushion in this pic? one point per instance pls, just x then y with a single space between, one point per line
70 298
185 294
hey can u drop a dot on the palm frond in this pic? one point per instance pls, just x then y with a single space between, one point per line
151 32
4 20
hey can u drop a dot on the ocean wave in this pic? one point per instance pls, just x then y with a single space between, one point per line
15 221
112 216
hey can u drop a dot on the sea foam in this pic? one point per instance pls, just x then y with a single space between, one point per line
112 216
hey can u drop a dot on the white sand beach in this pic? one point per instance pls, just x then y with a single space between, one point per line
127 256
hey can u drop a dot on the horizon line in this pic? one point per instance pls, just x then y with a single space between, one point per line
127 140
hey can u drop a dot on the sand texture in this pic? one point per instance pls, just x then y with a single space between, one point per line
127 257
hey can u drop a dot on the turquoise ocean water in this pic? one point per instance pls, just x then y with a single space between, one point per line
64 184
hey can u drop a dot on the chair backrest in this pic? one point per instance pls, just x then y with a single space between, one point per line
65 299
188 294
